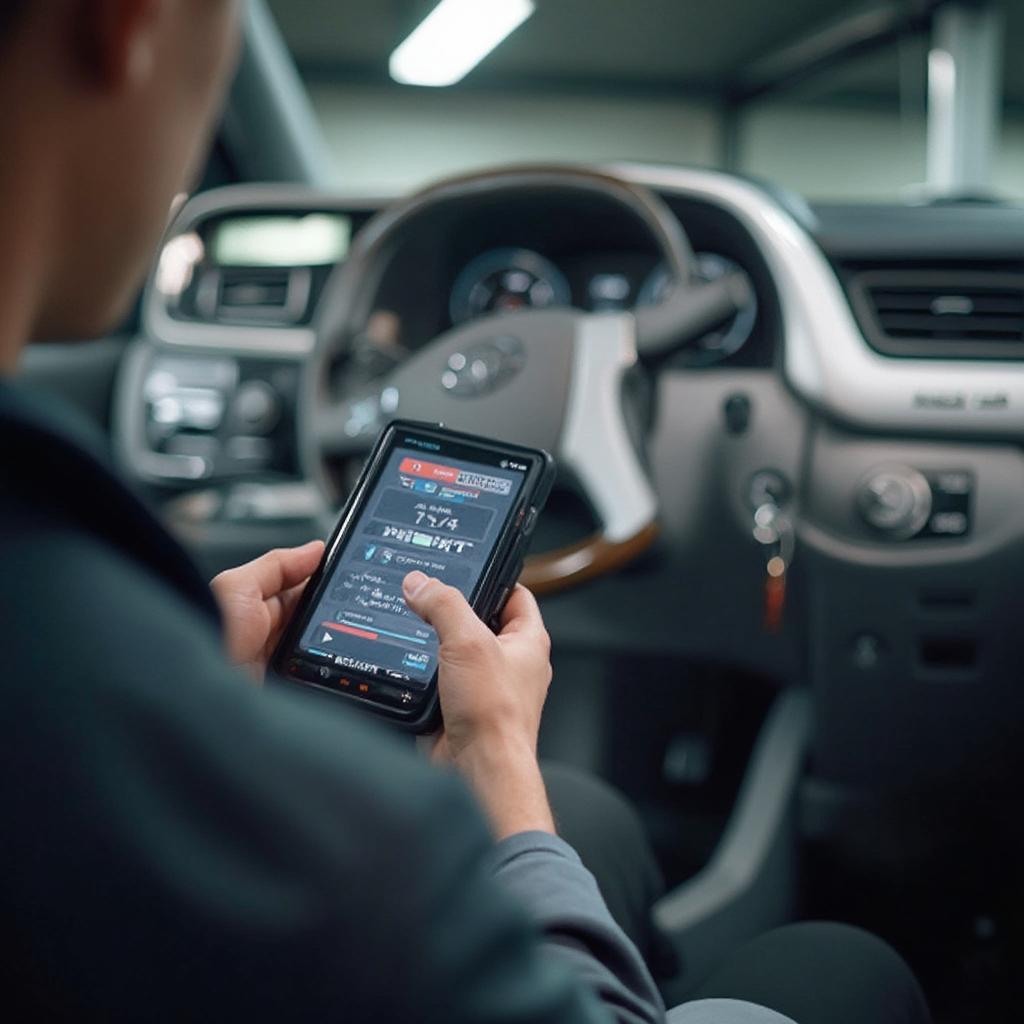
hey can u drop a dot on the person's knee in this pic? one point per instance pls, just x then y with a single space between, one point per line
849 949
584 791
822 971
605 830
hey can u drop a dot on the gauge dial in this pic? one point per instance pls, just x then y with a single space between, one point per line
507 280
727 339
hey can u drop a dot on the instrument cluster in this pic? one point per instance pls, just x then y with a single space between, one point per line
507 279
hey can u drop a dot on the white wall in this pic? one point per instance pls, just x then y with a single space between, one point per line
1008 178
858 154
839 153
387 141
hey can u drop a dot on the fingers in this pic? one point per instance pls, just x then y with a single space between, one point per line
440 606
521 613
282 607
278 570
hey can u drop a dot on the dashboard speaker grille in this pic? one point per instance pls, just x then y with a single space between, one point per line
941 314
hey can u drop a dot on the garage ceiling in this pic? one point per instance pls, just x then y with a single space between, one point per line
685 47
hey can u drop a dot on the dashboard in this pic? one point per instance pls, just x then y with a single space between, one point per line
875 372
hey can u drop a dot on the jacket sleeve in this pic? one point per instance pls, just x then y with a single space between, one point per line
180 846
546 877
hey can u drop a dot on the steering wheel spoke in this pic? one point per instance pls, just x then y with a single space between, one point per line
597 449
595 442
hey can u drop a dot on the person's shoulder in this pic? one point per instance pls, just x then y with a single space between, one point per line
72 597
103 642
106 633
137 749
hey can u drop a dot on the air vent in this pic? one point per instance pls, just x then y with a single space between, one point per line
942 314
255 295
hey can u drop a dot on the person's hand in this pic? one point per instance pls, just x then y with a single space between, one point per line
492 691
258 598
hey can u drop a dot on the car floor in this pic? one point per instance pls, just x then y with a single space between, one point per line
676 741
957 922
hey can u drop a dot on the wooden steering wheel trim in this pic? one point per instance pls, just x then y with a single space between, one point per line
594 556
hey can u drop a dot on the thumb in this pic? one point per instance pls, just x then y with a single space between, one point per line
440 606
299 563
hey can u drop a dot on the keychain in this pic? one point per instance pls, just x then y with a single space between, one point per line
774 532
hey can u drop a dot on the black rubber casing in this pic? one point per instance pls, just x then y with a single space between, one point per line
487 599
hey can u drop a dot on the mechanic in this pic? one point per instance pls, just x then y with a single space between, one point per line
180 844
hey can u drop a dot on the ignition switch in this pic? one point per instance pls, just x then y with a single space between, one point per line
768 487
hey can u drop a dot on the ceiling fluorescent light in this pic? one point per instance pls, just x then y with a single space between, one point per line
454 38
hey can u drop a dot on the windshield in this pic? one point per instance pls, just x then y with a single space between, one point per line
836 100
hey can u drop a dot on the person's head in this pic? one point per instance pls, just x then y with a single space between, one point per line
106 108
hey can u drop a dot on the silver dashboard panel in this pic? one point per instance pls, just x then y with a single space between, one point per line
827 360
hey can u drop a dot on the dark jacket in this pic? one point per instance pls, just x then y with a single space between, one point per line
177 844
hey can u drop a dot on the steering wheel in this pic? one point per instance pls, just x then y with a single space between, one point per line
544 378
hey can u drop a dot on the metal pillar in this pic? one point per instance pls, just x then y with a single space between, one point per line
730 136
288 144
964 97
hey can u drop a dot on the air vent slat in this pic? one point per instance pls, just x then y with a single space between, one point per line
259 295
948 304
254 293
942 313
964 326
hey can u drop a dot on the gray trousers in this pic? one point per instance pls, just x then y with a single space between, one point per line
724 1011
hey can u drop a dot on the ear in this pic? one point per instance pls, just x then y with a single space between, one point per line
119 40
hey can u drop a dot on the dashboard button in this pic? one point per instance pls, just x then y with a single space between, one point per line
948 524
257 407
867 652
953 483
530 521
737 411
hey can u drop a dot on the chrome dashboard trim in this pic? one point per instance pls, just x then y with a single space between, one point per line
271 341
827 360
237 340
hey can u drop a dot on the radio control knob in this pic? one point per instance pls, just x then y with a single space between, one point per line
257 407
896 501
